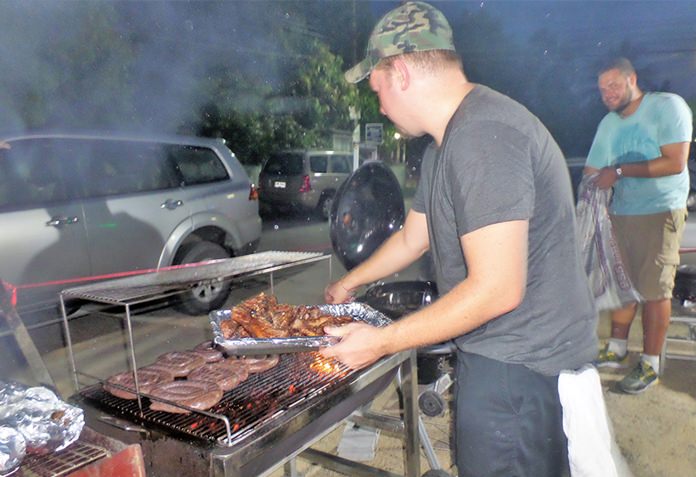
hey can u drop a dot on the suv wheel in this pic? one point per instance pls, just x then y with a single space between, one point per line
202 298
325 205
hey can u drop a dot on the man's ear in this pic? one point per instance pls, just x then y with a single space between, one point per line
402 73
633 79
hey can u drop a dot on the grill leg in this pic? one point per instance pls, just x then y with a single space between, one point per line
409 390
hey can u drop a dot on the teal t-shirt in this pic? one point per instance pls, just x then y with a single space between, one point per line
661 119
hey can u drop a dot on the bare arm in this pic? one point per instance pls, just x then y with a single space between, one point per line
496 258
672 161
399 251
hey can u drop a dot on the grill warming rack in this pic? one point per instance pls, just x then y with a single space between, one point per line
148 287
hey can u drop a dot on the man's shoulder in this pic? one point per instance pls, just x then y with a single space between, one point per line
667 100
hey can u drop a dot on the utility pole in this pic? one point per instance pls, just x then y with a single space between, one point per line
354 115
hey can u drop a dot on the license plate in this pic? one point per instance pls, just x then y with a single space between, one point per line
279 184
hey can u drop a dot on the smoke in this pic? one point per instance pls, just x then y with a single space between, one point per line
145 66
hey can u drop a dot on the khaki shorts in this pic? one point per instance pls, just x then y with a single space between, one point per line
649 246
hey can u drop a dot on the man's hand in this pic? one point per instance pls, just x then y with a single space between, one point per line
607 177
361 344
336 293
4 145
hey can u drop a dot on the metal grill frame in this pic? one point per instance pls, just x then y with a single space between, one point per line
139 289
272 387
284 437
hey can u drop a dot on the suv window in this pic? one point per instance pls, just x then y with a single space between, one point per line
318 164
341 163
198 165
115 167
284 164
30 174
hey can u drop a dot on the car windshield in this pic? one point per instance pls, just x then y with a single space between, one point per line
284 164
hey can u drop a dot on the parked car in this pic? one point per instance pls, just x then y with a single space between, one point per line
303 180
75 206
575 168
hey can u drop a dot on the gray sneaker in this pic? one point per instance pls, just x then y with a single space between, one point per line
641 378
609 359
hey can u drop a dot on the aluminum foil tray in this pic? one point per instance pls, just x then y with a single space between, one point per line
296 344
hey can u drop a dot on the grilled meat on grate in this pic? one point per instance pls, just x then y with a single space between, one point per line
217 373
209 355
257 364
180 363
200 395
147 379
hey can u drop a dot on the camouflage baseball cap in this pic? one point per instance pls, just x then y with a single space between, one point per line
413 26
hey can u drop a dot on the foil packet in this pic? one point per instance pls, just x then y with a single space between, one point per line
45 422
13 448
292 344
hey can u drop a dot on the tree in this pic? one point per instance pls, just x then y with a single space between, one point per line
321 94
72 76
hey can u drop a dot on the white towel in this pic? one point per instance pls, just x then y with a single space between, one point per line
592 451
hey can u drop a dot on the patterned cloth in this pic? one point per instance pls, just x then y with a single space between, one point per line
413 26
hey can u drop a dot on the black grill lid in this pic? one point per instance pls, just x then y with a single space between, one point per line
367 209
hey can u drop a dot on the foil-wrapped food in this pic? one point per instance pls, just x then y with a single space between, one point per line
39 418
261 325
13 448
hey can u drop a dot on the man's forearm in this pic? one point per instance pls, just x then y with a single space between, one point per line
658 167
392 257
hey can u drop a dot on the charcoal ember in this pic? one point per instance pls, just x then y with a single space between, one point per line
13 448
46 422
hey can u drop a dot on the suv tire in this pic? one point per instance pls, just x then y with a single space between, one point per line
202 298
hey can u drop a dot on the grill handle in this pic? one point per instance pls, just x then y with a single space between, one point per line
123 425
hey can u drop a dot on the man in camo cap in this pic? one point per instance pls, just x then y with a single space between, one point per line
494 206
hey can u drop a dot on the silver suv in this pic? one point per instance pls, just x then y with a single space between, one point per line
74 206
303 179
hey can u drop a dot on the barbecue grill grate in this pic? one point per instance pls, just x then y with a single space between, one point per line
257 401
61 463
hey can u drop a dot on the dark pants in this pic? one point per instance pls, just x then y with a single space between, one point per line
508 421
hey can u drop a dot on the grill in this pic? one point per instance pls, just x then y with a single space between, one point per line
261 424
62 463
264 422
244 409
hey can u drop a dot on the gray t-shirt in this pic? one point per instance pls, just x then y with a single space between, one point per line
499 163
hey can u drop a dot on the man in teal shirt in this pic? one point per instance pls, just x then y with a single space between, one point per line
640 149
